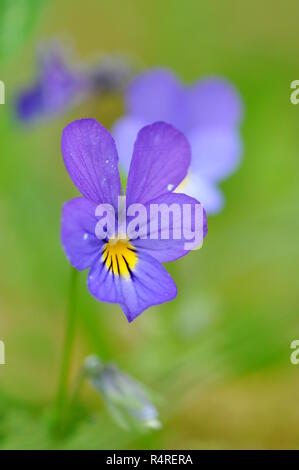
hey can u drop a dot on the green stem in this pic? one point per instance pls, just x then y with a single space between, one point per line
61 403
76 389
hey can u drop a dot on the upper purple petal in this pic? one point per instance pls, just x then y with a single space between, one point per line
78 233
156 95
159 163
214 102
90 156
150 285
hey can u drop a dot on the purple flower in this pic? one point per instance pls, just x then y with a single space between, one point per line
209 112
125 271
59 86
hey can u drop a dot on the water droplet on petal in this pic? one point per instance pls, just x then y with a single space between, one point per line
85 236
170 187
107 161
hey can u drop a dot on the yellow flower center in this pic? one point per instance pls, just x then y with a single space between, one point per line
119 257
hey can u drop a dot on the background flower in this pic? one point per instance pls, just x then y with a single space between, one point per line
60 85
209 113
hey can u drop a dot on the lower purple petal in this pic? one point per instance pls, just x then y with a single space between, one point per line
150 284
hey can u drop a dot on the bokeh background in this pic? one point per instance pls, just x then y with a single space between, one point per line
217 359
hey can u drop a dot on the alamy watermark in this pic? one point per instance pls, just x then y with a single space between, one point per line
2 92
162 221
2 352
294 97
294 357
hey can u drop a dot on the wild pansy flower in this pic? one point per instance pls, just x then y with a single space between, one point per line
208 112
60 86
126 399
124 269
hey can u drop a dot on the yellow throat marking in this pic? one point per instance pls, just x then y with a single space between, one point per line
119 257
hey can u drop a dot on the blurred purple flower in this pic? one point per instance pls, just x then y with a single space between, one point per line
209 112
59 86
128 272
127 400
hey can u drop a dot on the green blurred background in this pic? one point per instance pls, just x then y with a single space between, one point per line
216 358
